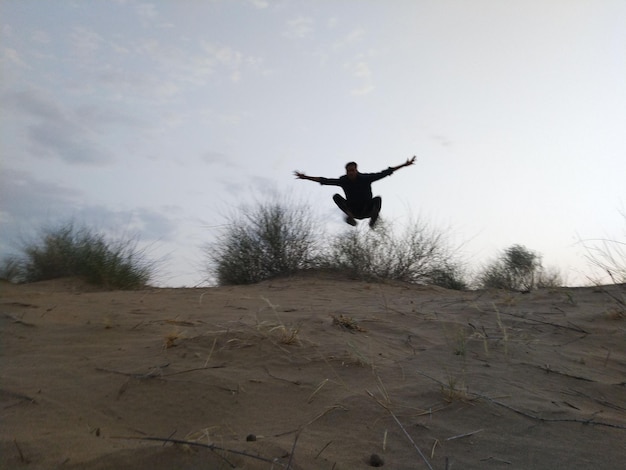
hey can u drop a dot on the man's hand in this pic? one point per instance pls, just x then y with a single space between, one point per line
409 161
299 175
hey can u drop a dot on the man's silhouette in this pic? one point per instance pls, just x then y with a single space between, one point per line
358 203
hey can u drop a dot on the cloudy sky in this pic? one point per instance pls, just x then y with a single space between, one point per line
158 118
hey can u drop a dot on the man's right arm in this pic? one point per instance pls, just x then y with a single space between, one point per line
319 179
302 176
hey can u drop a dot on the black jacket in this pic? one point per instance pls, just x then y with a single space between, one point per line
359 190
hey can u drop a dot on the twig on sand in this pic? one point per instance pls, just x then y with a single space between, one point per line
211 447
403 429
495 460
157 371
467 434
293 449
301 428
531 415
295 382
19 450
323 449
550 370
432 451
319 387
17 396
573 327
549 420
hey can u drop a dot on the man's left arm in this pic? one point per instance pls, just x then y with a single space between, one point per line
389 171
409 161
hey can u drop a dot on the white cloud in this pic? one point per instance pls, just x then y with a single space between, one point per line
228 56
218 159
13 57
85 42
147 13
300 27
351 38
260 4
31 204
55 131
362 72
41 37
362 90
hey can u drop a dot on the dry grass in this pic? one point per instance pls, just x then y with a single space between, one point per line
287 336
347 323
170 340
278 330
454 390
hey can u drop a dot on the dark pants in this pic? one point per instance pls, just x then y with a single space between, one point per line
359 209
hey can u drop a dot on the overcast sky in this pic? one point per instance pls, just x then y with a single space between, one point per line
158 118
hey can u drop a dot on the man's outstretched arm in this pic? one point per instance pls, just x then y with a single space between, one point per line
409 161
302 176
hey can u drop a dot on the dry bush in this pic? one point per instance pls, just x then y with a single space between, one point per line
71 251
417 254
265 241
518 269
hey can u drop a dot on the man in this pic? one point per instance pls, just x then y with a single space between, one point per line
359 203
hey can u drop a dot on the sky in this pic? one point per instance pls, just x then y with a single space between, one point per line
158 120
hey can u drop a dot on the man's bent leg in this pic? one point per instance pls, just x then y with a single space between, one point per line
377 204
343 205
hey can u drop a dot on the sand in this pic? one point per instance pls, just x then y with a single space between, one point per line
311 372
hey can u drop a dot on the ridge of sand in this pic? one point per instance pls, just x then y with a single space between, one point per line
323 371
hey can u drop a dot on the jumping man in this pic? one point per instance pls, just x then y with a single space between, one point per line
359 203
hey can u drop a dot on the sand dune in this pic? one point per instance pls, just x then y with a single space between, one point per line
311 372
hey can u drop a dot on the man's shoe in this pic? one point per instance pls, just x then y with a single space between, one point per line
351 221
373 219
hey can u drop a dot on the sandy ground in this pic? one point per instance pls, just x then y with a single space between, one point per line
323 372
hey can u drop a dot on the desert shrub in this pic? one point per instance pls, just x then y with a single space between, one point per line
517 268
449 275
79 252
261 242
608 256
10 268
548 278
417 254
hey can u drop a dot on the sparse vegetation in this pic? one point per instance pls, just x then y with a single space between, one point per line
517 269
454 390
266 241
417 255
449 275
274 239
71 251
608 256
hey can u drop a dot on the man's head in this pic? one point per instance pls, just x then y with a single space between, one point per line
351 170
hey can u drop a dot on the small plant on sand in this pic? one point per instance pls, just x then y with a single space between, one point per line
287 336
454 390
461 342
170 340
347 323
268 240
278 331
70 251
